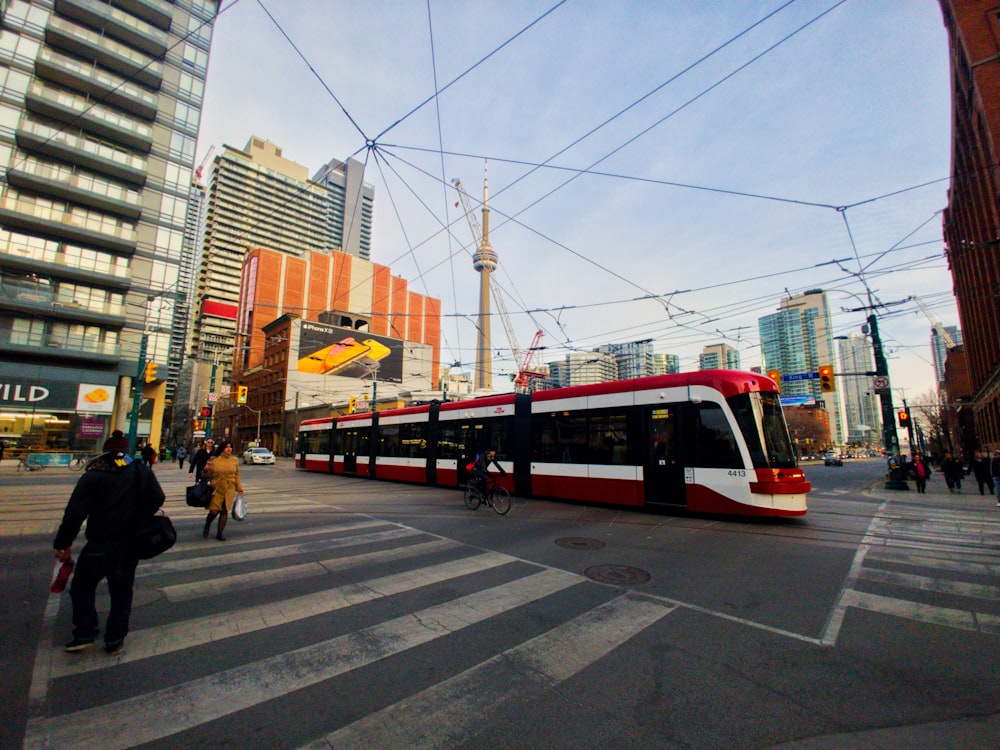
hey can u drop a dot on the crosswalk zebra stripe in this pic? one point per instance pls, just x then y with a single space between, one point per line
164 639
161 713
979 622
287 574
937 585
432 717
975 564
172 563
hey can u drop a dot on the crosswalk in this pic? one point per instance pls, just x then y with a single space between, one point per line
936 565
282 614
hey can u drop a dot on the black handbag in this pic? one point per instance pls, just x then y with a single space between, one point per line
199 495
154 536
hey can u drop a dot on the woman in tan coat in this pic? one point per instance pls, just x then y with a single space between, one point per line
224 470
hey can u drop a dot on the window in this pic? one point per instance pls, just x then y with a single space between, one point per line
715 443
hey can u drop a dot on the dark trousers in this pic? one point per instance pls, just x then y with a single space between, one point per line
921 485
985 482
97 562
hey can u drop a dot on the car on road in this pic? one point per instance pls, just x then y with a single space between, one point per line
832 459
258 456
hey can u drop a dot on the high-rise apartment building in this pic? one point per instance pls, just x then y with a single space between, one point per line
258 198
99 113
798 340
719 357
861 407
666 364
350 202
582 368
634 358
971 221
939 351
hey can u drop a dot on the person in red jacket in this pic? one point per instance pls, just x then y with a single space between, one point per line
114 495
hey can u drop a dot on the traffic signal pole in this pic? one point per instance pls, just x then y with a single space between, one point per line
137 385
896 478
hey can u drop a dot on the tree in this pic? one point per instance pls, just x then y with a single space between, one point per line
929 416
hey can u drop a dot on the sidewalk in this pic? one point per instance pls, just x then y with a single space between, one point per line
937 494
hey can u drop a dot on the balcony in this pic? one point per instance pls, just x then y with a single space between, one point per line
117 24
54 221
155 12
93 81
63 182
93 118
76 40
100 157
69 348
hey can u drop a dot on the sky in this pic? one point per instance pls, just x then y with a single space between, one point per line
662 170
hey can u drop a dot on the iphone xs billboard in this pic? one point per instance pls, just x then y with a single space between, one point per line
330 350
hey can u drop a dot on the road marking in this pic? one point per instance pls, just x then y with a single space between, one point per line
979 622
454 707
287 574
936 585
162 713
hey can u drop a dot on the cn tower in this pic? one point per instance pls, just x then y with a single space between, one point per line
484 261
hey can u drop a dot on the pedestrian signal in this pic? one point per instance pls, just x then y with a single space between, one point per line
352 405
241 394
826 383
775 375
151 368
904 418
205 411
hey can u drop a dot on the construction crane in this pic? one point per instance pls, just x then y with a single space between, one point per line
523 362
936 323
201 167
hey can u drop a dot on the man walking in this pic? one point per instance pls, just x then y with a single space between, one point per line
200 459
181 455
114 495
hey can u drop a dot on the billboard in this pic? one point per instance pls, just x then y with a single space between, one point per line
331 350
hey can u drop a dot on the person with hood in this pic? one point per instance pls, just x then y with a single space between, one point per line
181 454
224 469
114 495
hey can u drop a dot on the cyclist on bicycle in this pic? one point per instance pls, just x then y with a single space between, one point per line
481 469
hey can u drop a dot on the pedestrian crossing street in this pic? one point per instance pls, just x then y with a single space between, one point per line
938 565
300 615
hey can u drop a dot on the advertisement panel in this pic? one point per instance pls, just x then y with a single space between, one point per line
331 350
57 396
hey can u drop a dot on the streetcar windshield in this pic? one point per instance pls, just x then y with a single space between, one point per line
763 426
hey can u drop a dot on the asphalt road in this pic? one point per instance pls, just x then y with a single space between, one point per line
348 613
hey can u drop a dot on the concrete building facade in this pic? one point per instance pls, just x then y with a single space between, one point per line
99 112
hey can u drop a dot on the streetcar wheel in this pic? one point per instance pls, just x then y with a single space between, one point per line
472 498
501 500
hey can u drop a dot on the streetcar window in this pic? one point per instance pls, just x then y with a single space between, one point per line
388 440
763 426
715 443
413 440
607 439
450 442
560 438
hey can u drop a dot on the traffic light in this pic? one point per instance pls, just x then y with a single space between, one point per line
151 371
904 418
826 383
775 375
352 405
206 411
241 394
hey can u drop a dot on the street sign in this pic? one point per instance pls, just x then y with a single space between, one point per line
791 378
224 390
880 383
198 434
213 397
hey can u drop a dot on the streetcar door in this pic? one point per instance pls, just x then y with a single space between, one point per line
664 465
350 439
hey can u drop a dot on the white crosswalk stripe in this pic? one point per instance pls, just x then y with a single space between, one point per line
949 547
467 586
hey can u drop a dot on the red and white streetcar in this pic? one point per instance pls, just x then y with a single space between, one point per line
713 441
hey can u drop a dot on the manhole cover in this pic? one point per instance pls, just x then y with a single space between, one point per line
616 574
579 542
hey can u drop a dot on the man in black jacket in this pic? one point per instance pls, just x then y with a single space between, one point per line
200 459
114 495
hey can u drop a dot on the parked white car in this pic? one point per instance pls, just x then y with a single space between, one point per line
258 456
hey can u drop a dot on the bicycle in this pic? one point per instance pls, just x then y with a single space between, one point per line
23 465
79 460
496 497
